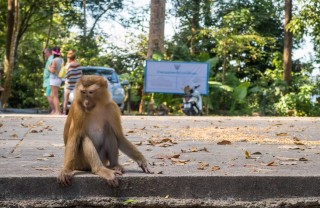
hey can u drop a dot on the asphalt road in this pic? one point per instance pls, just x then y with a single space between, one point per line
229 159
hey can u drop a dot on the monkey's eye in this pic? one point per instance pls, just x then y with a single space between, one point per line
91 92
83 91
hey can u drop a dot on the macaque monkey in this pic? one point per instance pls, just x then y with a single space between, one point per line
93 134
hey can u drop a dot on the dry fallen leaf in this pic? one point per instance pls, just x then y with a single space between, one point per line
288 163
48 128
137 143
165 142
298 143
195 149
58 145
179 162
168 156
247 154
260 170
278 124
203 166
43 169
42 159
14 135
271 163
24 125
40 123
35 131
48 155
255 155
282 134
296 139
291 147
224 142
215 168
303 159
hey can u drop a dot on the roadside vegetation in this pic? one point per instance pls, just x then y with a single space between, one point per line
243 41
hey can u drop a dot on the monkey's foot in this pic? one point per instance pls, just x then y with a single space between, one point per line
110 176
118 168
64 178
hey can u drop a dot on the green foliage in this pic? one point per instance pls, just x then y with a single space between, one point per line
245 35
306 21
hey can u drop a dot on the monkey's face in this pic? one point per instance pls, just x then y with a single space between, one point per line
87 96
90 90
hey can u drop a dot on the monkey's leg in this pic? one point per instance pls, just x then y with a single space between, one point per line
112 149
92 157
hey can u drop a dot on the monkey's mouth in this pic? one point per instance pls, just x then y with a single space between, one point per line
88 107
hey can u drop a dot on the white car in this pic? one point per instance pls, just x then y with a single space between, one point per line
114 85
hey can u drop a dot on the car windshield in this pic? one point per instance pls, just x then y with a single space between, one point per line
109 74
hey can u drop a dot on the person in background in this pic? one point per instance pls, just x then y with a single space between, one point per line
55 81
46 76
72 76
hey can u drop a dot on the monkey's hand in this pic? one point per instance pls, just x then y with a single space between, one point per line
110 176
145 167
64 178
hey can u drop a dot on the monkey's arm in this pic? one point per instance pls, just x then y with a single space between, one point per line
129 149
123 143
66 129
67 171
71 140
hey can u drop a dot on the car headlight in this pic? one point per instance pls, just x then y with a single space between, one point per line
119 91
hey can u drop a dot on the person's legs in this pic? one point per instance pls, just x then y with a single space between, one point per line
55 99
48 95
65 101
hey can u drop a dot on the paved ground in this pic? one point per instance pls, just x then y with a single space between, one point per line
198 161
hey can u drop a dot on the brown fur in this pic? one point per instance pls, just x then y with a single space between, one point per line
93 134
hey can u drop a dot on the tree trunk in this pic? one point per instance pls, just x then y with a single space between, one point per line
194 24
156 34
287 51
84 20
156 30
224 64
49 33
12 31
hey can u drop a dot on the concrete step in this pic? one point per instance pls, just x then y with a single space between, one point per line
150 189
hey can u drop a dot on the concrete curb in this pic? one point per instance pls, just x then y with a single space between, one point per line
249 189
